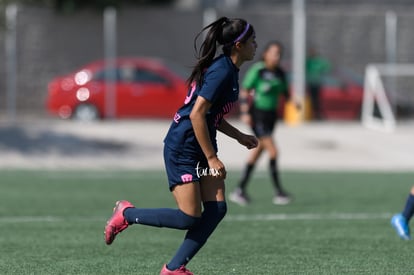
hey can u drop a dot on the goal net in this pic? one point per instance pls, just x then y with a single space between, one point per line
388 95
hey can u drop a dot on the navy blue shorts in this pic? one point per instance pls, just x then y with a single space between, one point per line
182 168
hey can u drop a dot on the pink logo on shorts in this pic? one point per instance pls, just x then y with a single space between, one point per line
187 178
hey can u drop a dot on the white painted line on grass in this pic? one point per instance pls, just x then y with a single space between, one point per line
309 216
228 218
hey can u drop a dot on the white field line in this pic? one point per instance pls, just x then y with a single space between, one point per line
309 216
228 218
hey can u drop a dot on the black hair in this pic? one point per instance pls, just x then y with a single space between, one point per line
225 32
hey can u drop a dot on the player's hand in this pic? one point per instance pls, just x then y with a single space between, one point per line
249 141
217 169
298 105
296 102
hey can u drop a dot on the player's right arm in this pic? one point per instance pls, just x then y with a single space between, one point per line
198 120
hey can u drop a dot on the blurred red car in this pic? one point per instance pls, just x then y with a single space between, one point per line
144 87
341 96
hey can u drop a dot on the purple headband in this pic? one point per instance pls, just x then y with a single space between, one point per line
242 34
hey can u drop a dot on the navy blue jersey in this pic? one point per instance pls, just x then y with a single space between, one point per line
220 87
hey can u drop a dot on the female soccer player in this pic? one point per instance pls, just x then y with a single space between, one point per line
267 81
195 173
400 221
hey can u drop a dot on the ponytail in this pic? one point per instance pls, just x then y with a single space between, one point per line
223 31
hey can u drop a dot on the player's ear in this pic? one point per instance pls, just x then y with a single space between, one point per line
238 45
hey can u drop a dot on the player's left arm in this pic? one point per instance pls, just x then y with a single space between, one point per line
246 140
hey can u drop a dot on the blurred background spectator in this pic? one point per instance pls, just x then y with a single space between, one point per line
316 67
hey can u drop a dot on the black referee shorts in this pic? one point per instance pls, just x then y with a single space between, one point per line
263 122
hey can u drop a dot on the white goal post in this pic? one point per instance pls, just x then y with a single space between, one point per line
374 91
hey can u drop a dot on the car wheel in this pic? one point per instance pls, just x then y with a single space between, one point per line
86 112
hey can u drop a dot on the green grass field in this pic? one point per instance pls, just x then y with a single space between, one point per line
52 223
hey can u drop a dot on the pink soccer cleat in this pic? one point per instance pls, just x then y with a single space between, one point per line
117 223
182 270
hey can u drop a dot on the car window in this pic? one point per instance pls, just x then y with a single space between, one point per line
331 81
105 74
143 75
126 74
131 74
